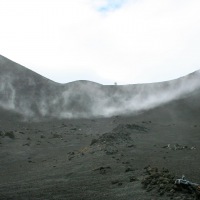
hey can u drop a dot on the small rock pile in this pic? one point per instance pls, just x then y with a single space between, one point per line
114 137
9 134
120 134
178 147
129 128
162 183
103 170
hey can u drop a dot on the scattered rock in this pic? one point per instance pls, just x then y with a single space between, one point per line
129 169
131 145
10 134
176 147
64 125
71 155
103 170
73 129
133 179
70 158
93 141
166 146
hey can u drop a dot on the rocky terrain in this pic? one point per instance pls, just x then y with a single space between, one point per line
143 139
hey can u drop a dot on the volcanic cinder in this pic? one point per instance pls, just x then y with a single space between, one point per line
84 140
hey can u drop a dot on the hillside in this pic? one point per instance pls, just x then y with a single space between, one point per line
34 97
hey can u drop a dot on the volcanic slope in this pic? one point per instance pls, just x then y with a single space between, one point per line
34 97
113 157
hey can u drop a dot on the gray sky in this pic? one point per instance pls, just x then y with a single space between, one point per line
106 41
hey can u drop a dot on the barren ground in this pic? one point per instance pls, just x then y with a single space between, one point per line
101 158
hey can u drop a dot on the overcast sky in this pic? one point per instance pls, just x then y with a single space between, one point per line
106 41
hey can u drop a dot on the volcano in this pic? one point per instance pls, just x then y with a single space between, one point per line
84 140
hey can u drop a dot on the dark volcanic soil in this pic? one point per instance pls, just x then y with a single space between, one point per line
102 158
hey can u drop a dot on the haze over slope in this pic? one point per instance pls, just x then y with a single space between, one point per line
26 92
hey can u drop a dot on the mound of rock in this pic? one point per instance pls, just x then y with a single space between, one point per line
112 138
162 183
129 128
9 134
120 134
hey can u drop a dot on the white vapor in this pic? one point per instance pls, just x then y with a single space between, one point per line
36 97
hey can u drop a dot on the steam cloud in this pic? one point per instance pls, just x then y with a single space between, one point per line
33 96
